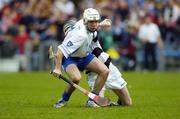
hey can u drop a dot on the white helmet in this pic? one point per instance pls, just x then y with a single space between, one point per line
91 14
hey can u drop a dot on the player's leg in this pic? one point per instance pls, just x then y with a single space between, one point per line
102 71
91 78
116 83
74 75
124 96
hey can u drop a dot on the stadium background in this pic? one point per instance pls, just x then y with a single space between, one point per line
28 27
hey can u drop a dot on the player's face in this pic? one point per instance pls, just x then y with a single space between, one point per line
92 25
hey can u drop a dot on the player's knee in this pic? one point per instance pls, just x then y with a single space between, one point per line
128 103
105 72
75 78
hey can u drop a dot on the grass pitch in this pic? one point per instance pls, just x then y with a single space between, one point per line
155 95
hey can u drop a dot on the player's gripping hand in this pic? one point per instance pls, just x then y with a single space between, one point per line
56 72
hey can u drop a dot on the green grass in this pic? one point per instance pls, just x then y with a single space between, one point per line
32 95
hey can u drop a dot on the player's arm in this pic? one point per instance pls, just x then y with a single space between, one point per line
58 63
105 23
159 39
102 56
99 53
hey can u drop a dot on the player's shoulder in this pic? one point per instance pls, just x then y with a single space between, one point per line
79 28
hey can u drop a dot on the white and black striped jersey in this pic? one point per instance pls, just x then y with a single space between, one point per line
96 49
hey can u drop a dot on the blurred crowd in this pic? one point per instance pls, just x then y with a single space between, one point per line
145 34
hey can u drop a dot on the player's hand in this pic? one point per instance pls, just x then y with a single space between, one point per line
56 72
106 23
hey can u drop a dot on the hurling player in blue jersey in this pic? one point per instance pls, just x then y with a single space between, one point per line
74 55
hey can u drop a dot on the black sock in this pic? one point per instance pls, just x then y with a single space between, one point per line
119 102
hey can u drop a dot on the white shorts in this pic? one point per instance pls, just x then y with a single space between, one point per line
114 80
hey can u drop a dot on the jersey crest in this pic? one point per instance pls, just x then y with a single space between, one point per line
69 44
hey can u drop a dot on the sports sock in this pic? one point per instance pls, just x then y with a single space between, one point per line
93 93
119 102
65 96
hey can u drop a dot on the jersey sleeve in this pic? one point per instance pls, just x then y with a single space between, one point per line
95 45
71 43
98 52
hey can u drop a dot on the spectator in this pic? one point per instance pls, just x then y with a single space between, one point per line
66 7
150 37
7 47
39 15
7 19
49 37
20 40
34 52
127 49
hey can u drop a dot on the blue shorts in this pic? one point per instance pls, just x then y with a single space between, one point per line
81 63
